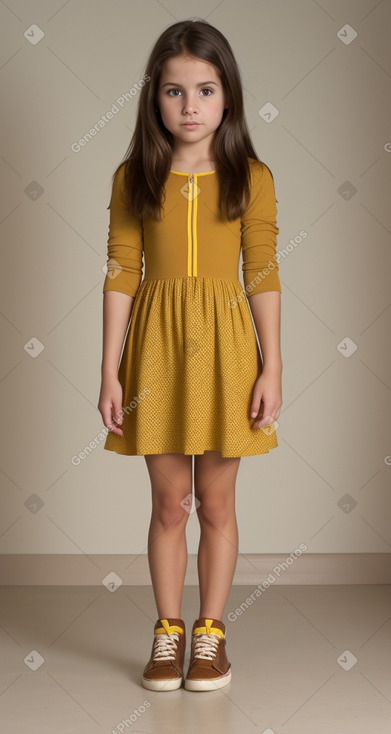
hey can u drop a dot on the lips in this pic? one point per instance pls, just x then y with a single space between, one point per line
190 124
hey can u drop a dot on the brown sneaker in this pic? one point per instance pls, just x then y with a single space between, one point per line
209 668
164 670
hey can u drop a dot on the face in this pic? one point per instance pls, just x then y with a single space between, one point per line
190 89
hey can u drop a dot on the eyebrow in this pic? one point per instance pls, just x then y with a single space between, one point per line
201 84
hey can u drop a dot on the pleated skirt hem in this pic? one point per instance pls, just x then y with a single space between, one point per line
125 450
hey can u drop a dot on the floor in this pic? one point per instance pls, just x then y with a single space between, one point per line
305 660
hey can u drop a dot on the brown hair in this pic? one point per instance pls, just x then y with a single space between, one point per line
148 158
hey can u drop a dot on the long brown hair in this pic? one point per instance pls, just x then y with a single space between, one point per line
148 158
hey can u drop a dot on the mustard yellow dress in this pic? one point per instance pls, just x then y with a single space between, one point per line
191 357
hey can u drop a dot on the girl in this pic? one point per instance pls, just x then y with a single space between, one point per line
189 196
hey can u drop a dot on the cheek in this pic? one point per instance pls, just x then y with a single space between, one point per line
167 108
217 108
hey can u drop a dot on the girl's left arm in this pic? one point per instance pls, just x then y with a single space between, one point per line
267 394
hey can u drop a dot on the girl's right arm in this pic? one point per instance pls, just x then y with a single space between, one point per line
124 267
117 310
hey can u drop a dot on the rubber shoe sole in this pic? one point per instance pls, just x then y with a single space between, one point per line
170 684
208 685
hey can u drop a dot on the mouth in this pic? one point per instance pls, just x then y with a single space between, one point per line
190 124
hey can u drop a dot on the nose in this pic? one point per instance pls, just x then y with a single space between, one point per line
189 106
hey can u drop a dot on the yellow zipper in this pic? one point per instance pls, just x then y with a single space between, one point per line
192 226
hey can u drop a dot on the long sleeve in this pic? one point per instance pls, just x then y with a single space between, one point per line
124 244
259 235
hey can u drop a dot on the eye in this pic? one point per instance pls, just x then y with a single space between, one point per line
205 89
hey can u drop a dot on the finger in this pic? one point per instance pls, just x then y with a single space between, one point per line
267 410
106 415
118 412
118 418
108 420
113 428
256 407
264 417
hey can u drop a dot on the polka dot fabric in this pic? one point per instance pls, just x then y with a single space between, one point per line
188 369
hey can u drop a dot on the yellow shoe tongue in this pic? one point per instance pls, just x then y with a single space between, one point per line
208 629
168 629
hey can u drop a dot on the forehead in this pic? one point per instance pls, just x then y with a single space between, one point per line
187 68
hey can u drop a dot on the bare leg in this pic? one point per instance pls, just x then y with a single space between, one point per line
171 481
214 482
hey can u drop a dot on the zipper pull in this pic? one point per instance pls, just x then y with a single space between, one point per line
192 178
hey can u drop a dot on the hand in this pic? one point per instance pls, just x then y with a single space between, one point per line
267 398
110 403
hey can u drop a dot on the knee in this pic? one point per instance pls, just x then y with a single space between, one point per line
215 511
171 510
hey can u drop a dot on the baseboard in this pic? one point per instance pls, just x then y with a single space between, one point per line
133 570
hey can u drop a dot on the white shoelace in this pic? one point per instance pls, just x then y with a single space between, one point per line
165 646
205 646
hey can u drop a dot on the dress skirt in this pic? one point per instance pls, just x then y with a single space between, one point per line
188 369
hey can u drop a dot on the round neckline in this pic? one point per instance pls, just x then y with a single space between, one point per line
188 173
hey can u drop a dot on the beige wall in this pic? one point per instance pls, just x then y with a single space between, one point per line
331 135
